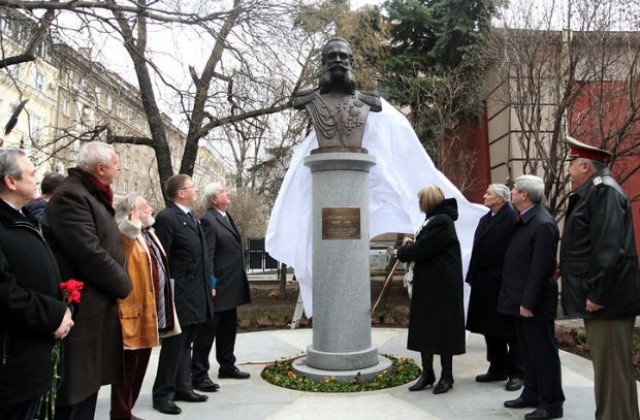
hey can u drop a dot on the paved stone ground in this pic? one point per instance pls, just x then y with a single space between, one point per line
254 399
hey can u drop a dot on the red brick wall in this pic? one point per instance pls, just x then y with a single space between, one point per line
476 173
599 117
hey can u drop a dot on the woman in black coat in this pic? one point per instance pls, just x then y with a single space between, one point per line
436 323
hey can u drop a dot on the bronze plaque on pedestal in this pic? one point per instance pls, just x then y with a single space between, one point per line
341 223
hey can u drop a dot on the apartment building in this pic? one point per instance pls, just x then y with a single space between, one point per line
73 98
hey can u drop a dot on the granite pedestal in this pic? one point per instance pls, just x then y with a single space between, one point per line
341 278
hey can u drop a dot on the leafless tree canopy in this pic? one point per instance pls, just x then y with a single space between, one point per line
217 68
566 68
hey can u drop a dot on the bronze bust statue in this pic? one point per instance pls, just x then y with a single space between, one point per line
338 111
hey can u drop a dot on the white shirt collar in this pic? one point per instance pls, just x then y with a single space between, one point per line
186 210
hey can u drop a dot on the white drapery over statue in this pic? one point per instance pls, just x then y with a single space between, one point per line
402 169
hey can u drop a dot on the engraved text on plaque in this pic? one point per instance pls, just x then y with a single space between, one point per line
341 223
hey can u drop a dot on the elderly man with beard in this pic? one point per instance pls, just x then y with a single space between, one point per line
147 314
337 109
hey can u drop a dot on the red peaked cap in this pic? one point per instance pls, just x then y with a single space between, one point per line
578 149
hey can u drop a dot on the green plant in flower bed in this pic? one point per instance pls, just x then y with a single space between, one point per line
402 371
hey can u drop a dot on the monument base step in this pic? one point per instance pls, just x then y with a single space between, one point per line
300 367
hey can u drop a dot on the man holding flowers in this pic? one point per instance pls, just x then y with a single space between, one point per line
33 315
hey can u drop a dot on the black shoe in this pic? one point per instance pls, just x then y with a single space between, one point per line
491 377
206 385
514 384
189 396
167 407
233 374
443 385
542 414
425 380
520 403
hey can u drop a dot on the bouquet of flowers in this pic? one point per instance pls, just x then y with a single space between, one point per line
70 294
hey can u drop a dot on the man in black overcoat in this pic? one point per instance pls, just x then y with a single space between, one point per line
32 313
485 278
529 294
232 290
186 248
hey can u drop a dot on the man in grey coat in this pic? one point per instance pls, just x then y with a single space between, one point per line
232 290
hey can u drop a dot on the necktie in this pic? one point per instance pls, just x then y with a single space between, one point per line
227 221
192 217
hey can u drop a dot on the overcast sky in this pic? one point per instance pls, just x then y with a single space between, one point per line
359 3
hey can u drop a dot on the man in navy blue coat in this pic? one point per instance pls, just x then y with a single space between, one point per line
529 294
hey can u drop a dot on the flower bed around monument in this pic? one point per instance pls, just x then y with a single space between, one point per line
403 371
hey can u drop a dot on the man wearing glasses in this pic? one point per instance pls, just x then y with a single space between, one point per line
184 243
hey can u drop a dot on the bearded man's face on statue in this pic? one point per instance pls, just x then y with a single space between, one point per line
338 74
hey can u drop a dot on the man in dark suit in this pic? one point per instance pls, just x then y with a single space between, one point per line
485 277
186 248
232 290
529 293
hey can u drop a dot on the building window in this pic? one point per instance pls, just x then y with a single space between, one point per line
68 77
65 107
98 94
129 115
14 71
23 33
84 83
109 102
42 50
35 125
119 109
125 186
38 82
126 162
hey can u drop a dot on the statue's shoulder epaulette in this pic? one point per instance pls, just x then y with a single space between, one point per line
372 99
303 97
